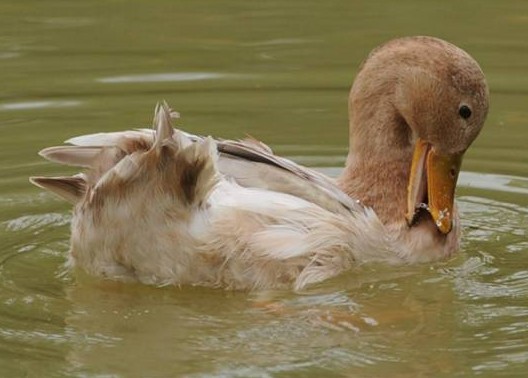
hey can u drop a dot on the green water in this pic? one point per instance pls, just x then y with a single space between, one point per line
280 71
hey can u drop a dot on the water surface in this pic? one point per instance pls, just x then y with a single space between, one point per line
280 71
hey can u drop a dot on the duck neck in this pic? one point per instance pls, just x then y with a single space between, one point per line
378 165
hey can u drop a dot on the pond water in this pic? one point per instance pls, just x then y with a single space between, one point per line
280 71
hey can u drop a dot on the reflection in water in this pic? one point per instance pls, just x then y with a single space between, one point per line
467 315
61 22
192 332
164 77
278 41
38 105
502 183
9 55
474 180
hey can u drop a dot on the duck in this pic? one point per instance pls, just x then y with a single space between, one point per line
162 206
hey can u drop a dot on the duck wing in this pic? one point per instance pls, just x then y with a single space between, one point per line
252 164
249 162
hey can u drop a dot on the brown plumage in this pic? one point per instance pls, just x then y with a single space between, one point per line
165 207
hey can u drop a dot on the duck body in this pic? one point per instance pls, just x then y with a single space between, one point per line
164 207
136 223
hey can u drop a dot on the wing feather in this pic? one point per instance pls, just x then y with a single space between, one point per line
249 162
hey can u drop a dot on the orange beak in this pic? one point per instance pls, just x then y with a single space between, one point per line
432 185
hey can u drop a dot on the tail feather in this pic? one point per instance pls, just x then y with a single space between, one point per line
189 168
198 171
72 155
70 188
178 163
108 139
162 125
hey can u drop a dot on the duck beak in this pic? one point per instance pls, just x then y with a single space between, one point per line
432 185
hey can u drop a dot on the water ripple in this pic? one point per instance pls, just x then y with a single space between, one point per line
29 105
165 77
9 54
502 183
36 222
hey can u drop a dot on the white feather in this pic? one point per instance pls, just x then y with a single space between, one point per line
107 139
163 208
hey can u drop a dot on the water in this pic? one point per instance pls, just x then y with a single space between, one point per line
280 71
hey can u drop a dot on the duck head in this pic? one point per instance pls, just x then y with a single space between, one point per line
415 107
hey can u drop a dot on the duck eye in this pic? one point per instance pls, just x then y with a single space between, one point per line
464 111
